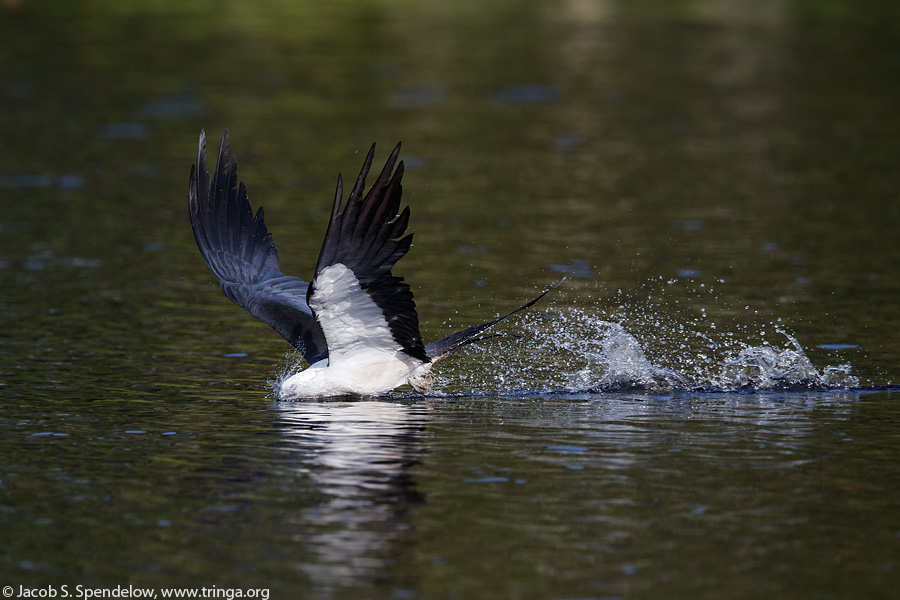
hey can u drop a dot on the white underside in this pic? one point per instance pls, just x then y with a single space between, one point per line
363 357
363 379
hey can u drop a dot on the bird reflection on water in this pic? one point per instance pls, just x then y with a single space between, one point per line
359 457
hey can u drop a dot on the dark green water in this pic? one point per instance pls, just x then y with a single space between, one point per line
708 174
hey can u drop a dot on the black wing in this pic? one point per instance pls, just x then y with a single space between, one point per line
366 239
241 253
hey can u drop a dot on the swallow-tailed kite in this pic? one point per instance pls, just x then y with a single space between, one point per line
355 322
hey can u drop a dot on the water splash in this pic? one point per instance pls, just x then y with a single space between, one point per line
622 364
644 347
291 364
771 367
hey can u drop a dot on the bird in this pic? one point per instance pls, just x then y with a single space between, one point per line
355 322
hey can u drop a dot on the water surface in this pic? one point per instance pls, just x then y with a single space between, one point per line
706 408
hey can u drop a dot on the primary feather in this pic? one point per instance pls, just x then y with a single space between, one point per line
241 253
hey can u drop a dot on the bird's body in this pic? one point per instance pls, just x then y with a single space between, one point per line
365 359
360 376
355 322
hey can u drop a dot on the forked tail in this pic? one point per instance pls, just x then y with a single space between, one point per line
445 346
